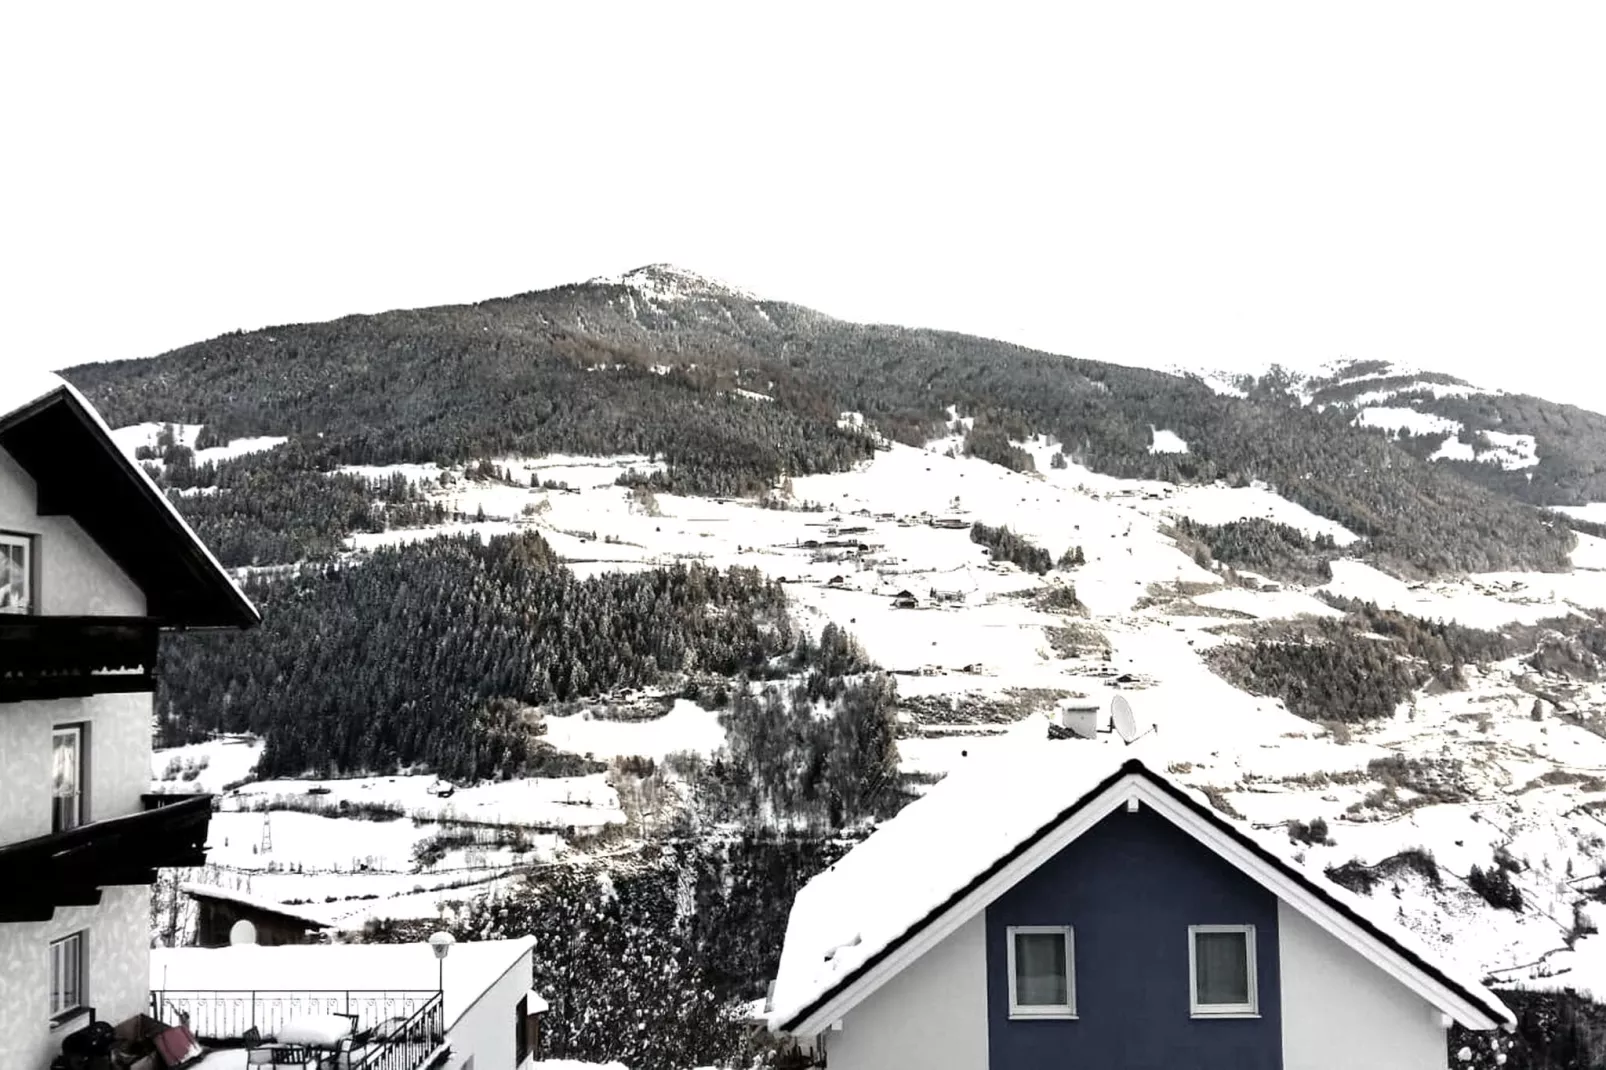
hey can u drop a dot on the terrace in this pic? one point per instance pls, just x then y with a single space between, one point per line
355 1006
377 1030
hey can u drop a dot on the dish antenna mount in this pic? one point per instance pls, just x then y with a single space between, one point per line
1125 722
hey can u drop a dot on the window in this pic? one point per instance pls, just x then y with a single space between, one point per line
67 777
1221 962
16 573
1042 981
67 975
521 1035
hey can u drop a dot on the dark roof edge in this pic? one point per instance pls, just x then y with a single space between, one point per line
246 614
1135 767
1499 1011
222 895
953 900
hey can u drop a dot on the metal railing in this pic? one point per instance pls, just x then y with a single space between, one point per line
228 1014
405 1045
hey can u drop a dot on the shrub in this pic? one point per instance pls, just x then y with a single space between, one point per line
1493 886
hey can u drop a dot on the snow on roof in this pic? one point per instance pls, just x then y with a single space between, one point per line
271 906
18 391
471 968
918 863
535 1003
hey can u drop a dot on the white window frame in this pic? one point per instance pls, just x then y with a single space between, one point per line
77 945
17 540
80 811
1043 1010
1222 1010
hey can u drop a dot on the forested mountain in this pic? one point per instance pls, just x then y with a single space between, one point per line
466 657
1477 433
653 363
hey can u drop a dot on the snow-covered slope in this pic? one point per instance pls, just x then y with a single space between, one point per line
1462 774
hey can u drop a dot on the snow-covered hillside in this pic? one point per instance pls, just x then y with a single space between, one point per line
1467 775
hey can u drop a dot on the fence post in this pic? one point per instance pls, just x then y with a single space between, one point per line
253 1008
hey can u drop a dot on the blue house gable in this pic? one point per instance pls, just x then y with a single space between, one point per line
1063 911
1130 888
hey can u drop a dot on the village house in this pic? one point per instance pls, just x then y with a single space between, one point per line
1057 906
94 564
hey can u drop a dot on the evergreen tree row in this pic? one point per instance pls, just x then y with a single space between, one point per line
1262 545
1005 545
1361 667
430 654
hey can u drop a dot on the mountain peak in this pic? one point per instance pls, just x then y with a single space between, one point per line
671 283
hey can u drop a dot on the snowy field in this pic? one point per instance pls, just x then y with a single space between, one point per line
1521 785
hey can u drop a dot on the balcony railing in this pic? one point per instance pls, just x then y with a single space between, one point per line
69 868
400 1030
45 657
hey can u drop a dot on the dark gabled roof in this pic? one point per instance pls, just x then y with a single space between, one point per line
1475 995
304 916
61 442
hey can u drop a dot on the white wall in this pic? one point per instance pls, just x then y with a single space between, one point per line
485 1030
119 750
75 576
933 1015
1340 1011
118 977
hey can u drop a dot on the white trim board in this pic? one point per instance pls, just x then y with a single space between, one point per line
1137 786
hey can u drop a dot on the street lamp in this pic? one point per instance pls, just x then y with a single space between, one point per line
441 944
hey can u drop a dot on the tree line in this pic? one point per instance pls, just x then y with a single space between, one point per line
432 653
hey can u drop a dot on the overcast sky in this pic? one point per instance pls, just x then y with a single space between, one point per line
1204 184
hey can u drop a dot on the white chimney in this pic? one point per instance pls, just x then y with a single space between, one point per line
1080 717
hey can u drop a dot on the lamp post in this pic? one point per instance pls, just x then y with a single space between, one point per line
441 944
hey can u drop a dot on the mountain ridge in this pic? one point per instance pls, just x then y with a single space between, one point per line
661 360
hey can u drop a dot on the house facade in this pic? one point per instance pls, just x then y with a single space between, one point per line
94 565
1124 924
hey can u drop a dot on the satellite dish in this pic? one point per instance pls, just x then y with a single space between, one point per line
1123 720
242 932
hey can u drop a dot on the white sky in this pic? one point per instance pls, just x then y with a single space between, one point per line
1207 184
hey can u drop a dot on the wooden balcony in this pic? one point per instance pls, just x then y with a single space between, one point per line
70 868
70 657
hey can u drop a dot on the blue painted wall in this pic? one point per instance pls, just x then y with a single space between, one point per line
1131 886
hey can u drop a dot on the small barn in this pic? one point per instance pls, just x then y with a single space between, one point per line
218 909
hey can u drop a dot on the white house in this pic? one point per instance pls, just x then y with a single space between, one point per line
479 994
94 564
1063 907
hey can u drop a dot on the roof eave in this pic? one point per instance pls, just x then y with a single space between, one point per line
234 611
1467 1006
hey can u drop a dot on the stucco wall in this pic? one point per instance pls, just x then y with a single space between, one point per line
1340 1011
74 575
119 750
1131 886
486 1029
933 1015
118 977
